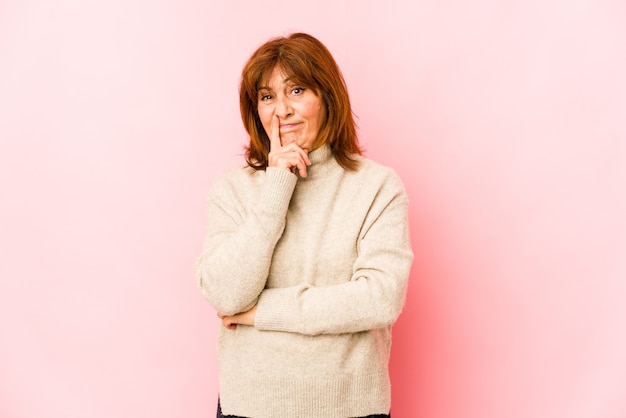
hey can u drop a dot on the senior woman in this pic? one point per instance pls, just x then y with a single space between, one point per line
307 252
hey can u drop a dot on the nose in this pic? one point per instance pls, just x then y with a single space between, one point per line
283 107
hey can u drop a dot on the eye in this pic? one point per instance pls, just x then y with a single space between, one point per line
264 95
297 90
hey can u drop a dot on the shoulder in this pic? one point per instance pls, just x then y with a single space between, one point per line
234 179
379 175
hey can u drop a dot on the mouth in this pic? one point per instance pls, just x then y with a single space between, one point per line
286 127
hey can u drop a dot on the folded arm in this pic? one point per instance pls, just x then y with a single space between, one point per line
235 262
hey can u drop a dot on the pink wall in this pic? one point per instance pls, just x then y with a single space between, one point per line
506 120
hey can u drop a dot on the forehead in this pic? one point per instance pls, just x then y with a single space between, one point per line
273 78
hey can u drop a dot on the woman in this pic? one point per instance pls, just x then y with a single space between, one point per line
307 252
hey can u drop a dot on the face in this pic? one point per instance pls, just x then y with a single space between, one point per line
300 111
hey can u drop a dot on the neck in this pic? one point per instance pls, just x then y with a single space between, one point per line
322 160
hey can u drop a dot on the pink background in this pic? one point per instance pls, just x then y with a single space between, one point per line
505 119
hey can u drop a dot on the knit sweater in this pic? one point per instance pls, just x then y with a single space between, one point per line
326 260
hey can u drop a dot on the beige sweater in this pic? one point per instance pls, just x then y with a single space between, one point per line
327 259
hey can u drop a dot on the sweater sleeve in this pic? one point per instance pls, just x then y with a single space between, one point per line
374 295
241 236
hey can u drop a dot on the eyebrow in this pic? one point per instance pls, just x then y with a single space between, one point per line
286 80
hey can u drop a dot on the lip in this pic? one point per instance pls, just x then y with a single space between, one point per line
288 126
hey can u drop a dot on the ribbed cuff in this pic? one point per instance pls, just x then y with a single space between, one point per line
279 186
277 310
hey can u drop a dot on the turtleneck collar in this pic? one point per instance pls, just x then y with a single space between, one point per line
321 160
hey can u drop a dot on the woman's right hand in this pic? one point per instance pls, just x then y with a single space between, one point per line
243 318
290 157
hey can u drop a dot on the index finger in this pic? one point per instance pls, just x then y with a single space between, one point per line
274 134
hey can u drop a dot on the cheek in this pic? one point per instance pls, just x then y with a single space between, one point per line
320 116
265 116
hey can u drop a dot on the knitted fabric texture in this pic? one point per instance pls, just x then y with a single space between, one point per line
326 260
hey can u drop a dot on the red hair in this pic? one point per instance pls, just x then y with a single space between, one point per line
307 61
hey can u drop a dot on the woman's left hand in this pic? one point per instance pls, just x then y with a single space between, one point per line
244 318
